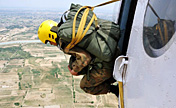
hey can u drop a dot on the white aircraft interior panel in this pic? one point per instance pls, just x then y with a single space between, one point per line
150 77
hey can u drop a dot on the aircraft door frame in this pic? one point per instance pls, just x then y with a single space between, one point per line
149 80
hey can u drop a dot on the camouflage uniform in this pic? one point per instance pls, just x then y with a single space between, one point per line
98 79
97 74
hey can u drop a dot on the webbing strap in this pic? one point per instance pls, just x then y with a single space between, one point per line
121 94
153 10
80 34
165 32
159 28
160 32
102 4
164 38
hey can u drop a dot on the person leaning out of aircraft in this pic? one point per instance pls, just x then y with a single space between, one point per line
99 78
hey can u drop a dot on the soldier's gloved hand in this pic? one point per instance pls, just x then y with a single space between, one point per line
72 72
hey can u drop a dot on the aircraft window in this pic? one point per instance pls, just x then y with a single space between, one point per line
159 26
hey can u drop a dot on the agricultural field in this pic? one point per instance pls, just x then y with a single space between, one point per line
34 75
30 76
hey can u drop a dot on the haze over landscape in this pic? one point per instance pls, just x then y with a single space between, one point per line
34 75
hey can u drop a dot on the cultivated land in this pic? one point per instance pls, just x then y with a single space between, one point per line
35 75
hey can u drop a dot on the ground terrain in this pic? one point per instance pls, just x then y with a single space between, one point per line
34 75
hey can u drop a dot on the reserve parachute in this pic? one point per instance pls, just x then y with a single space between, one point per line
101 39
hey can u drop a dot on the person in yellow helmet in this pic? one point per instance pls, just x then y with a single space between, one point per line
44 33
98 80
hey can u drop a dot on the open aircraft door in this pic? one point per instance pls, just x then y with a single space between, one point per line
147 74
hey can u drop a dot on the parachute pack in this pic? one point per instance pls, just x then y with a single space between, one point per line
100 37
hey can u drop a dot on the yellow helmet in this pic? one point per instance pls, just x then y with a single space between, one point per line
44 32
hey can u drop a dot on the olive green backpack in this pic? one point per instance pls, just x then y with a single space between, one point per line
100 39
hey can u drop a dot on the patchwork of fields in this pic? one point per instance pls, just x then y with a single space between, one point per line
34 75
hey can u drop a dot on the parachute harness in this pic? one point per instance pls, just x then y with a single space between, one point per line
76 38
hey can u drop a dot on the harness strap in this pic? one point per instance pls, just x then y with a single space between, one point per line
164 37
160 32
165 32
80 34
153 10
121 93
102 4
